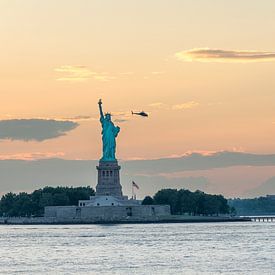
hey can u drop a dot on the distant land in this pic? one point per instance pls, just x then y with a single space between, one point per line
254 207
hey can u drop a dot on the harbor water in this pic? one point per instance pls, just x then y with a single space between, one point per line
190 248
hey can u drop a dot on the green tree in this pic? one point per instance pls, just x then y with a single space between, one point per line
23 205
194 203
60 199
148 201
185 202
6 204
46 199
224 207
167 196
199 203
211 205
79 193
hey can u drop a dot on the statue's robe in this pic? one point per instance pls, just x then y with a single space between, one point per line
109 134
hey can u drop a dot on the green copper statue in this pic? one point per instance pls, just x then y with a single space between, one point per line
109 134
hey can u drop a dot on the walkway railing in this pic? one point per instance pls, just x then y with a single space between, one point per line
262 218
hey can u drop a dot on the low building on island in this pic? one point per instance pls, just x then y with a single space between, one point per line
108 204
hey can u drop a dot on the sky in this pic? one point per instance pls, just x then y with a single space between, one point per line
203 70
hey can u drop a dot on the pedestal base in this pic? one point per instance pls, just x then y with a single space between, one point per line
108 183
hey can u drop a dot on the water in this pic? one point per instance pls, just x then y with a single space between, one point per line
205 248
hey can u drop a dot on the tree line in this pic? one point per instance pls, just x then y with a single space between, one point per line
193 203
256 206
24 204
181 201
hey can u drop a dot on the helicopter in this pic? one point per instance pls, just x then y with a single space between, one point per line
142 113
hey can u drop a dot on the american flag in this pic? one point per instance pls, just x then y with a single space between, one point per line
135 185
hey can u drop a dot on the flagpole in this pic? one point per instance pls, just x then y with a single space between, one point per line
134 185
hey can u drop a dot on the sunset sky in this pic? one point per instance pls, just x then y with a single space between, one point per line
204 71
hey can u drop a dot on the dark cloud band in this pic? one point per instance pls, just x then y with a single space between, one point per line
34 129
196 161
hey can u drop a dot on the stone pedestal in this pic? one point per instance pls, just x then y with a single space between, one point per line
108 182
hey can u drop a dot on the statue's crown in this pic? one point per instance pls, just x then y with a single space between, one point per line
107 114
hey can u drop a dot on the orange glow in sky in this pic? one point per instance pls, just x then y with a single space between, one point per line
204 73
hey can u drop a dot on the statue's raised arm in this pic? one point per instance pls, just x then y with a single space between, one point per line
100 109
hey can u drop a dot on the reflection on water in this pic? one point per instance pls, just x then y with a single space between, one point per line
208 248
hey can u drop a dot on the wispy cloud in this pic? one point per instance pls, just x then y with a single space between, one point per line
159 105
126 73
121 116
80 118
34 129
181 106
186 105
32 156
120 120
80 73
157 72
201 152
219 55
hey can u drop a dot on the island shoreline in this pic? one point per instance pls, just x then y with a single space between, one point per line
172 219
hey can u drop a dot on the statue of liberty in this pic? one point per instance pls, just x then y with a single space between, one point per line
109 134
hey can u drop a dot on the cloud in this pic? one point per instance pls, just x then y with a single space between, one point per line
186 105
121 116
32 156
229 173
80 73
267 187
203 152
120 120
34 129
157 72
218 55
198 161
151 184
30 175
181 106
82 118
159 105
126 73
